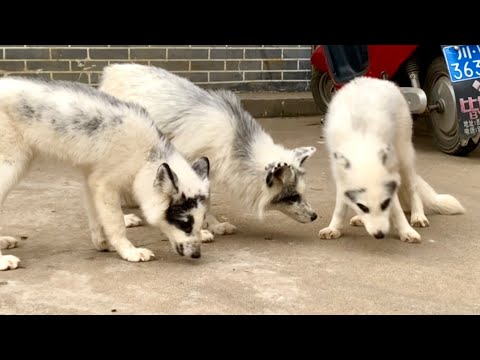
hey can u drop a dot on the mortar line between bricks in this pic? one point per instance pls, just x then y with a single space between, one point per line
250 71
23 47
219 47
249 82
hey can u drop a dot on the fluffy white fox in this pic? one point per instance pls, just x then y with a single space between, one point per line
368 134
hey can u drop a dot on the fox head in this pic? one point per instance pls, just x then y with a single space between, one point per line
285 186
369 184
178 203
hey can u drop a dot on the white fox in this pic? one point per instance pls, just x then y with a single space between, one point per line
368 134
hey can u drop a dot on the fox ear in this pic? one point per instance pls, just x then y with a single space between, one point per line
303 153
341 160
281 172
391 186
202 167
387 157
166 180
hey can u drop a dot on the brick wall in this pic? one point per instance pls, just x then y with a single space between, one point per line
242 68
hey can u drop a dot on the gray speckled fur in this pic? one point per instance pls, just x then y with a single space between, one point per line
211 123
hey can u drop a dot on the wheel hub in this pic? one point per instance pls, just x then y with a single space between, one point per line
445 116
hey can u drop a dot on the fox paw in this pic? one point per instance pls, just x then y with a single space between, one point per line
410 236
8 262
224 228
8 242
419 221
356 221
206 236
132 220
138 254
329 233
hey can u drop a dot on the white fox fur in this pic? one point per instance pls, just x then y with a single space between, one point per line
368 134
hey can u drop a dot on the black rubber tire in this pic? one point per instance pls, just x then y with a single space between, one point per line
448 143
322 89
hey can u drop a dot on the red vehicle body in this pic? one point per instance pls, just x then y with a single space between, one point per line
384 59
419 67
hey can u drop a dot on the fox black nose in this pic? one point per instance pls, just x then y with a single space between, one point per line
313 217
196 255
379 235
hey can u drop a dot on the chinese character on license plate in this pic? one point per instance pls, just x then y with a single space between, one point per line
463 62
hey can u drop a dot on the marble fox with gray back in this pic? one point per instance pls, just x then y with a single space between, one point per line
118 149
259 174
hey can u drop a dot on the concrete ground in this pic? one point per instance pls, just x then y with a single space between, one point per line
274 266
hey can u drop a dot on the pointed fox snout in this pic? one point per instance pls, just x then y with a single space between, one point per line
376 227
196 255
188 249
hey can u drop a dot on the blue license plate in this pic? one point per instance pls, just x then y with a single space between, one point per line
463 62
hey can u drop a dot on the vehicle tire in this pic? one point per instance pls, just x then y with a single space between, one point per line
322 89
444 124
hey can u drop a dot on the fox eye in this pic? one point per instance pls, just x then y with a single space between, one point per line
362 207
185 226
292 198
385 204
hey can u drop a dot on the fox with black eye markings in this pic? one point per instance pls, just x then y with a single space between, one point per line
368 132
261 175
117 148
